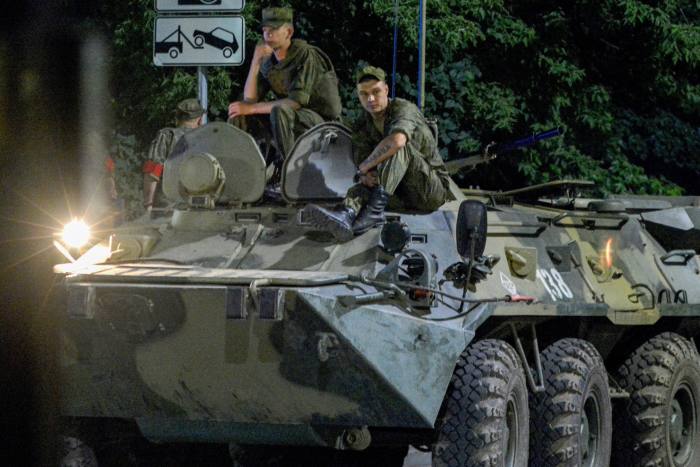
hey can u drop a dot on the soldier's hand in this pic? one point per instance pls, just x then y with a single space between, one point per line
370 179
489 151
236 109
262 51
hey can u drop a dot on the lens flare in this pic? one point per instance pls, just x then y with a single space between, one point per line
76 234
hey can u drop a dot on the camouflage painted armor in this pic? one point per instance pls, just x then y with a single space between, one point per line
239 322
415 176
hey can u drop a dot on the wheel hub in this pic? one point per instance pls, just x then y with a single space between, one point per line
511 432
589 431
585 433
681 426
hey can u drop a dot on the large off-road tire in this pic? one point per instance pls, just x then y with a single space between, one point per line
484 418
659 425
572 419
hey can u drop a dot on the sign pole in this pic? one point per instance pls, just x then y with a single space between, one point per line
203 91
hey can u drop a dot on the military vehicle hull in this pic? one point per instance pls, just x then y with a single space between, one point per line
237 322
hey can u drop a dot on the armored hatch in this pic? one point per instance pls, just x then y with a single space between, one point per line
320 165
217 162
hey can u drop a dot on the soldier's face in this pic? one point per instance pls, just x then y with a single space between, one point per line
374 95
277 37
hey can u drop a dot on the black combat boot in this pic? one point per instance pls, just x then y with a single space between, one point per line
338 222
373 212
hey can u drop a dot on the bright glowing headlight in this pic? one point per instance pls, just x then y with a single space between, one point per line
76 234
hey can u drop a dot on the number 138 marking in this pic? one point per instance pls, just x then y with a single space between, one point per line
554 284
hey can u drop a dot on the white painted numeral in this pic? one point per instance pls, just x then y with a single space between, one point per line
554 284
565 290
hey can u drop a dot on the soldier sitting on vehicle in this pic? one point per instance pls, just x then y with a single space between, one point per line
188 115
300 76
398 162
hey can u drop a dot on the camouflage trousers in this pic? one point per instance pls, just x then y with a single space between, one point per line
409 179
282 127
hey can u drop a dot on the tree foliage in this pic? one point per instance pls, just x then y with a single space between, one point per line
619 76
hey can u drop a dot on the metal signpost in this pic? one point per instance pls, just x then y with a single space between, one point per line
198 41
196 33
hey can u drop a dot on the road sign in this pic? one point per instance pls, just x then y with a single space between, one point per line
200 5
199 41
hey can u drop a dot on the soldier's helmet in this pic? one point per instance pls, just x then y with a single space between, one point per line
189 109
275 17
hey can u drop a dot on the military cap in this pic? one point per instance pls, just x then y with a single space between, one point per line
370 72
276 16
189 109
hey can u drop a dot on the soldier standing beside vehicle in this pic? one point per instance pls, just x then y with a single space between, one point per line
398 162
188 115
301 77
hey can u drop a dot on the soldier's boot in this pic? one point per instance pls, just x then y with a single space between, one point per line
338 222
373 212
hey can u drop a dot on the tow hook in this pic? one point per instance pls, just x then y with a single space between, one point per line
356 439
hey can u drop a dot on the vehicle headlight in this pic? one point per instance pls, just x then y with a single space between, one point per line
76 234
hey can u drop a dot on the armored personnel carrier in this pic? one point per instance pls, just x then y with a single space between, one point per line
536 326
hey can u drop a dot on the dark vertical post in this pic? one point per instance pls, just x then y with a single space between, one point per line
40 171
421 54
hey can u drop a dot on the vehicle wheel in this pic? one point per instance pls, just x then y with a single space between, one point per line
572 418
173 53
228 51
199 41
484 418
659 425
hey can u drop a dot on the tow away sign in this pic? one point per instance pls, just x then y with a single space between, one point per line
200 5
199 41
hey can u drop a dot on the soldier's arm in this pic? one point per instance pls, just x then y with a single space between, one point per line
154 164
149 191
266 107
250 90
401 126
385 150
299 91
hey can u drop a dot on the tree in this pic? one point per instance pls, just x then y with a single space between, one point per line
620 76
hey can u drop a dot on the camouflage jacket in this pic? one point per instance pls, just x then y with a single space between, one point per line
164 143
161 147
306 76
401 116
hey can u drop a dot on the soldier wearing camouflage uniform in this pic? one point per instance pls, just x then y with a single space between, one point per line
300 76
398 161
188 115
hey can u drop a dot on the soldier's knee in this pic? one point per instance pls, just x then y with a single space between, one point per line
282 112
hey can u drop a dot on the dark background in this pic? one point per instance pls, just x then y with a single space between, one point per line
38 179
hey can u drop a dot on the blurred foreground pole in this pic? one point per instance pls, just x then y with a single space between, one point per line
40 185
95 133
